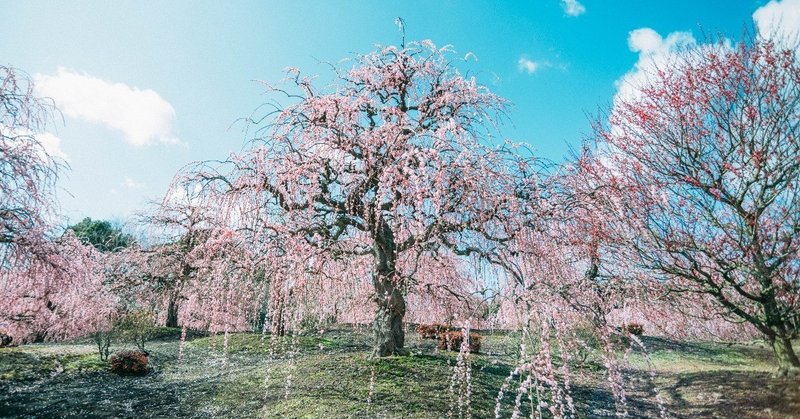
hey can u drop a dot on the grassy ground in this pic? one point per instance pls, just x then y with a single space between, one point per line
331 376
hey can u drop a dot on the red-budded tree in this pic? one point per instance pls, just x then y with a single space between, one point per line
591 223
385 168
705 164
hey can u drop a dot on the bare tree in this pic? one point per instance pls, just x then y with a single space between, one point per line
704 166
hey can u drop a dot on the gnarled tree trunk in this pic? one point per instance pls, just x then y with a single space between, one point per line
784 352
388 324
778 330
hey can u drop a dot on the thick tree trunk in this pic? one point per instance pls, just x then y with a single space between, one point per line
172 313
277 313
784 352
778 331
388 324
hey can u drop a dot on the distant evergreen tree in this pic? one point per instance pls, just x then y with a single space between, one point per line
103 235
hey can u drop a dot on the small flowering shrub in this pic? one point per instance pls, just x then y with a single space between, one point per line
635 329
130 363
432 331
451 341
136 327
103 338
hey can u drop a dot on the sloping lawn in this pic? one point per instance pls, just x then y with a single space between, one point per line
330 374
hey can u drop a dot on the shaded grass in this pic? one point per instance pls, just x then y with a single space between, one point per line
328 375
334 380
30 365
412 386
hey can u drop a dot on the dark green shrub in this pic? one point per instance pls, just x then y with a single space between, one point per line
5 340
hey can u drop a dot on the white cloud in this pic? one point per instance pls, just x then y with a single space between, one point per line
129 183
573 7
52 145
142 116
527 65
644 40
779 20
654 51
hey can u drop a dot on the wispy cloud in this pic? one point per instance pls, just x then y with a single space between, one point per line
143 116
573 7
527 65
50 143
130 183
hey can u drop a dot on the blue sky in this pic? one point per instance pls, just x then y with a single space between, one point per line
147 87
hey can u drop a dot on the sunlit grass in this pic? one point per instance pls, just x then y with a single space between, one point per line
328 375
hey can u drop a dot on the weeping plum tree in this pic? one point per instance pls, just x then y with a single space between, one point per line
60 294
167 267
705 164
27 172
385 168
50 287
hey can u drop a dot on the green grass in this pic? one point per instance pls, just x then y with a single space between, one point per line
328 375
412 386
37 363
674 357
263 344
331 377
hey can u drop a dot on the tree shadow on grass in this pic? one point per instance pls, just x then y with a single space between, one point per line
725 352
334 382
723 393
162 393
